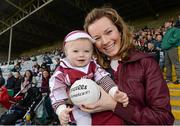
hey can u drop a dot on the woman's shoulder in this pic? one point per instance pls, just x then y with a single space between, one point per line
136 55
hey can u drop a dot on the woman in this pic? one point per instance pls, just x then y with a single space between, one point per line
135 73
45 81
27 81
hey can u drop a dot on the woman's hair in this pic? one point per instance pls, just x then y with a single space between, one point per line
126 38
31 75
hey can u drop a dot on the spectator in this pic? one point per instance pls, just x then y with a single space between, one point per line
170 43
28 81
57 62
10 81
178 22
151 49
47 59
45 81
33 58
35 68
161 51
2 80
17 67
18 81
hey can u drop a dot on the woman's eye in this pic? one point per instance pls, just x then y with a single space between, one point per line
87 51
108 32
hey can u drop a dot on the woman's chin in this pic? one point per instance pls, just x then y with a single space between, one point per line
111 54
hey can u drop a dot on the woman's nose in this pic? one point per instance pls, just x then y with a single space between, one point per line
104 40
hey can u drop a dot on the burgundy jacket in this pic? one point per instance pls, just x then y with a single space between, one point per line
149 101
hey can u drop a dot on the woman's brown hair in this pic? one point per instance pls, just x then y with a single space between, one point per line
126 39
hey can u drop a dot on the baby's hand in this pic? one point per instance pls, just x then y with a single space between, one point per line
121 97
64 116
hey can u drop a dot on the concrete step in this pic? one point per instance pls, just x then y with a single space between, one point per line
171 85
175 102
174 92
174 98
175 107
176 122
176 114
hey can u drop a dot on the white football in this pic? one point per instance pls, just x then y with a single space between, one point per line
84 91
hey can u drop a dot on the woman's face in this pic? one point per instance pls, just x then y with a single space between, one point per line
28 74
106 35
45 74
16 75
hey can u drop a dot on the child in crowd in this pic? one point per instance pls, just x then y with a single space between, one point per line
78 63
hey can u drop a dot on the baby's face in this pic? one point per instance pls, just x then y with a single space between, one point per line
79 52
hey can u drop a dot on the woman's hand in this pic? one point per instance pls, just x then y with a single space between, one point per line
106 102
121 97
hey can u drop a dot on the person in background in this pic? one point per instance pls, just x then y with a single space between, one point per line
47 61
10 81
35 68
39 76
161 51
170 44
151 49
28 81
45 82
17 67
178 21
2 80
135 73
18 81
57 62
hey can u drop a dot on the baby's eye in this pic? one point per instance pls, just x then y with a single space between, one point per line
97 38
75 51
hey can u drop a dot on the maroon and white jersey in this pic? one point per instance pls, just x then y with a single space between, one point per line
65 75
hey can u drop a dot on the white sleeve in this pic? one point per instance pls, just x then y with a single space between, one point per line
60 109
112 91
58 89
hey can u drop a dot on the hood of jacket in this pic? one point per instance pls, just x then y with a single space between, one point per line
136 55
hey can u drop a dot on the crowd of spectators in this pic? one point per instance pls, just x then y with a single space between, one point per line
149 40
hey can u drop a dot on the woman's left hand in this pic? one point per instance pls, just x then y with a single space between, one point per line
106 102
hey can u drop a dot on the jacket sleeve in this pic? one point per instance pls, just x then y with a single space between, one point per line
57 89
156 108
174 38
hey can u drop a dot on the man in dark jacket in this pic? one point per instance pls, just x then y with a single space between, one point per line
2 80
10 81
